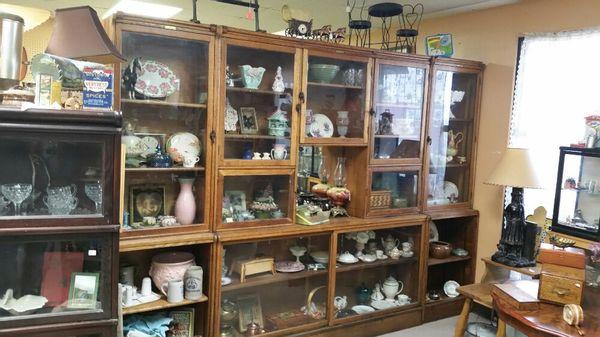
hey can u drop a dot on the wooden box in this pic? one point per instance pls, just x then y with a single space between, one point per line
561 285
521 295
253 267
380 199
568 257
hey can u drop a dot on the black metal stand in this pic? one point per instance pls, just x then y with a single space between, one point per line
361 31
249 4
195 12
512 240
385 11
409 21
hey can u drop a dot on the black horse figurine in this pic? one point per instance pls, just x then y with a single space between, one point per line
130 76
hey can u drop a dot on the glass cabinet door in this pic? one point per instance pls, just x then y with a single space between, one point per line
396 128
258 123
164 97
274 285
256 198
336 100
394 190
451 127
49 176
55 278
377 270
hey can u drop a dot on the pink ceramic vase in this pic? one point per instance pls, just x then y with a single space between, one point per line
185 206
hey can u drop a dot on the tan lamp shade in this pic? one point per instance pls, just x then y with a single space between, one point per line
515 169
78 34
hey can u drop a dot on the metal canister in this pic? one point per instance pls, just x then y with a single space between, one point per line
11 45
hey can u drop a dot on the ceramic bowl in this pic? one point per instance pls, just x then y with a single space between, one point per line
460 252
362 309
346 257
439 249
323 73
450 288
368 258
320 256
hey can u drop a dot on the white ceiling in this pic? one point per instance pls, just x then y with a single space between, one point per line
324 11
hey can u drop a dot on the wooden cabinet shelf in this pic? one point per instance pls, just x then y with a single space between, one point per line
380 263
333 85
255 281
443 300
239 136
156 103
451 259
398 105
163 237
255 91
160 304
163 170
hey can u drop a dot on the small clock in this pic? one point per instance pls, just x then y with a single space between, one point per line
302 28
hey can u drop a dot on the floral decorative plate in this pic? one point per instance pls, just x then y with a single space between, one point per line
156 80
450 190
289 266
321 127
450 288
148 145
182 144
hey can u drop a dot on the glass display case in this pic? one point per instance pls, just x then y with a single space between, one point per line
258 123
451 137
336 100
56 278
377 270
164 97
577 200
397 123
394 190
256 197
274 285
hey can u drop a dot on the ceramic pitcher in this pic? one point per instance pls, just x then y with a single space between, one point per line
453 140
391 287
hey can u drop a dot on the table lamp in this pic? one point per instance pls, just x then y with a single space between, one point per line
515 170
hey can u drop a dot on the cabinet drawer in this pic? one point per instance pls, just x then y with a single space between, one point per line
560 290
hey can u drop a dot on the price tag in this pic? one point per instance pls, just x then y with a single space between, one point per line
228 220
92 252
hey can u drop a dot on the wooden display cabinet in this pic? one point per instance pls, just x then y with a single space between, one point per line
253 118
97 329
393 190
188 52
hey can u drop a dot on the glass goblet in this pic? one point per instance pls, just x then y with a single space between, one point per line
16 193
94 192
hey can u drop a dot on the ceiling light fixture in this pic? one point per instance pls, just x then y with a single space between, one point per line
144 9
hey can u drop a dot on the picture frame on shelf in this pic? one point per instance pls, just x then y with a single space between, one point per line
250 310
83 290
237 200
248 121
183 323
146 201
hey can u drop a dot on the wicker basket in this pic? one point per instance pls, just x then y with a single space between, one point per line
380 199
312 311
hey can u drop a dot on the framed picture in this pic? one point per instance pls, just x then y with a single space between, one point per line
237 200
146 200
439 45
83 291
248 122
150 141
182 324
249 311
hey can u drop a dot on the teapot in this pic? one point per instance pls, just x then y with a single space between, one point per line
395 253
453 140
377 295
340 302
391 288
389 243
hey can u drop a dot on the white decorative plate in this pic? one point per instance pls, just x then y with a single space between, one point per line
225 280
182 143
321 127
148 145
289 266
450 288
449 189
362 309
156 80
383 304
434 235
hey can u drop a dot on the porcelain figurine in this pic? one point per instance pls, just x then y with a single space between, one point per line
391 288
377 295
453 140
185 206
256 156
278 85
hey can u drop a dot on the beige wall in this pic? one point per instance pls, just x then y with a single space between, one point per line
491 36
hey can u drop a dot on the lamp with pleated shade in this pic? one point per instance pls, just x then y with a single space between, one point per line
515 170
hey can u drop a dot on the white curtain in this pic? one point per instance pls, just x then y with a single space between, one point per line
557 85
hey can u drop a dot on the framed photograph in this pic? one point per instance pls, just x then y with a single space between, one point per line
83 291
150 141
182 324
146 200
237 200
249 311
439 45
248 122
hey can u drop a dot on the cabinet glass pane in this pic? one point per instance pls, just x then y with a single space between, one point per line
377 270
258 103
451 132
336 92
52 175
394 190
270 283
580 195
53 276
248 198
399 111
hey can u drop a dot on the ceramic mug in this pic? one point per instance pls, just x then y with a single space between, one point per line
193 283
189 161
403 299
146 286
174 291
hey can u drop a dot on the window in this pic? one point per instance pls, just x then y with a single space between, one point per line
557 85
